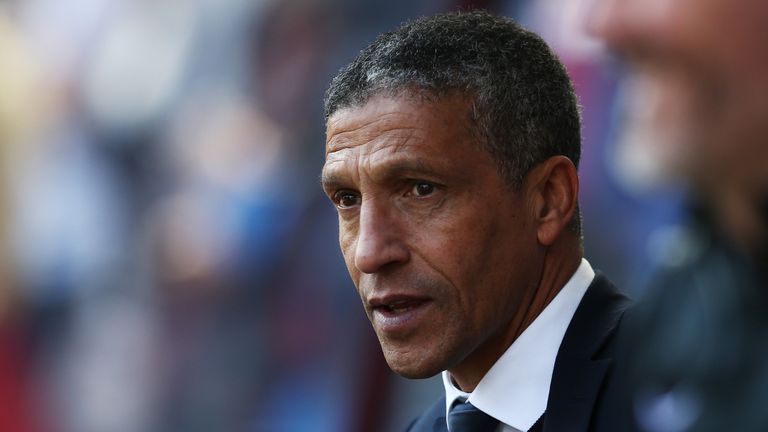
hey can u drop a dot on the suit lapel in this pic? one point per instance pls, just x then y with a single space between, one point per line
581 366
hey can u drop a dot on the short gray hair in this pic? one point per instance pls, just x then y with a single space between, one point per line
523 103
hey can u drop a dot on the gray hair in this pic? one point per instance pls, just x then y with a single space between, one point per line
522 101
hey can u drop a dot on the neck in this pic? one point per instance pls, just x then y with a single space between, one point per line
553 280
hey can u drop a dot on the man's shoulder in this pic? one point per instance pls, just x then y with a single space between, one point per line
585 393
594 324
431 420
605 293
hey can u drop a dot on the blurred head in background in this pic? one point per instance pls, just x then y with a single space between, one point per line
702 65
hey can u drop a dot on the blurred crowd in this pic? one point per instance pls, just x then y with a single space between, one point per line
168 261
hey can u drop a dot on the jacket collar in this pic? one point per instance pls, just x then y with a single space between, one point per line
583 361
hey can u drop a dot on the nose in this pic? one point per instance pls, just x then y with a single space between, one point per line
380 240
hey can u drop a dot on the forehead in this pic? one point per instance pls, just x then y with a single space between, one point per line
403 135
403 125
405 116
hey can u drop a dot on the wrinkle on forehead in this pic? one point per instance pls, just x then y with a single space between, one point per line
396 135
389 149
347 119
387 132
380 115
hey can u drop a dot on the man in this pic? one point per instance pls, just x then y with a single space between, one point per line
700 358
451 154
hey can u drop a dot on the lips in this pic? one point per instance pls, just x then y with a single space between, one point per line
398 314
394 307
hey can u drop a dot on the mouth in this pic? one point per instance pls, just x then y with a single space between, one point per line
399 306
398 315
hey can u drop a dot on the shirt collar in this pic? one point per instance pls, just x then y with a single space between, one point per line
516 388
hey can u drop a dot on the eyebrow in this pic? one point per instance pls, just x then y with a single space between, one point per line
331 181
404 167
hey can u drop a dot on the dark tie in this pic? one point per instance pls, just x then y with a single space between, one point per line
464 417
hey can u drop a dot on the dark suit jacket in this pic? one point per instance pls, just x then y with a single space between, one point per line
583 395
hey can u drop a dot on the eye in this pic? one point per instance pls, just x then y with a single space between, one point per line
421 189
345 199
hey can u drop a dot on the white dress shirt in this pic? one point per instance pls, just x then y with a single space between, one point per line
516 388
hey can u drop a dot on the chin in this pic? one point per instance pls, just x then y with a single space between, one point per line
413 364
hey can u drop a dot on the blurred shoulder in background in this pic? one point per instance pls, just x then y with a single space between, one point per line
700 67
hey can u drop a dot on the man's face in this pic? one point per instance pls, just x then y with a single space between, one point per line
705 62
440 248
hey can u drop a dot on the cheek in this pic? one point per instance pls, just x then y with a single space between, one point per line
494 255
461 248
347 244
347 236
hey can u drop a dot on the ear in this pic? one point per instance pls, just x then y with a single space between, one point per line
554 187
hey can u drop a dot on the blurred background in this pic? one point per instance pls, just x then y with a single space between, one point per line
168 261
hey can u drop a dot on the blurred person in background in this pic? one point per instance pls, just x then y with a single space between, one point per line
22 112
451 153
700 73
